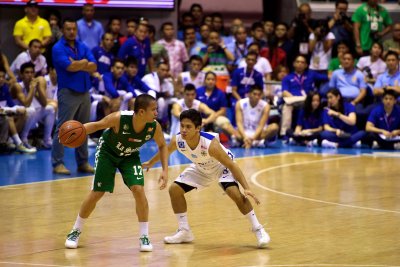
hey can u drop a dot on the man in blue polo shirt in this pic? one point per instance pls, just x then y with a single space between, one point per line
384 122
103 55
390 79
139 47
90 31
74 62
131 70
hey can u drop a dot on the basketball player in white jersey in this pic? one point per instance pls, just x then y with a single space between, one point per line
251 119
195 76
211 161
187 102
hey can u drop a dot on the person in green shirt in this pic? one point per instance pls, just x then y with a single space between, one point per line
118 148
393 44
371 23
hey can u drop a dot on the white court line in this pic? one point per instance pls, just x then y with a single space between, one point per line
33 264
253 178
322 265
91 176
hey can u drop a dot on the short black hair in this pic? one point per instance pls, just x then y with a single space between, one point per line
195 5
252 53
189 87
392 53
389 92
341 2
168 23
257 25
131 60
34 41
195 57
142 102
25 66
117 60
152 29
71 20
255 87
192 115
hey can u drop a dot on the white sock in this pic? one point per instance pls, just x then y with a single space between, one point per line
183 220
79 223
16 139
253 219
144 228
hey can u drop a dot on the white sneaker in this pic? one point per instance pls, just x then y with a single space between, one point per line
72 239
396 146
181 236
357 145
262 236
24 148
312 143
144 243
375 145
328 144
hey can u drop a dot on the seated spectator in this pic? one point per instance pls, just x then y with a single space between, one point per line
14 117
103 53
393 44
274 54
269 29
252 119
244 78
33 55
187 21
217 24
32 26
51 87
189 101
342 47
114 27
238 46
131 26
235 24
215 99
197 13
295 88
54 18
117 87
283 41
194 76
274 92
340 123
257 34
204 34
262 65
193 46
320 45
160 82
158 51
6 66
384 123
31 93
372 65
309 123
390 80
131 70
90 30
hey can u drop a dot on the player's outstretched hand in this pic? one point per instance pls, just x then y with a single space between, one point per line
147 165
249 193
163 180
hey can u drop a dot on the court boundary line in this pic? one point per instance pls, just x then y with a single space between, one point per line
36 264
323 265
253 179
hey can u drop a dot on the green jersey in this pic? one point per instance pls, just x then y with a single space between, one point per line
371 20
126 142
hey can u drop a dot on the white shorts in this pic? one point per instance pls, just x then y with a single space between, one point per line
194 177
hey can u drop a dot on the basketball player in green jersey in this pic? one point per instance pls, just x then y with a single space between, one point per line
118 148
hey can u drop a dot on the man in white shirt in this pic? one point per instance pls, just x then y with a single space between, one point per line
251 119
194 76
34 55
160 82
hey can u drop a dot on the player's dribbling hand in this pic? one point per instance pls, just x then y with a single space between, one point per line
249 193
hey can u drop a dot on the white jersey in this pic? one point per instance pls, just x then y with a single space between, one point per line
251 115
34 104
175 121
197 82
51 89
200 157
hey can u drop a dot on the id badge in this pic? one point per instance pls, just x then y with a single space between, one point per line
303 49
316 61
143 61
374 26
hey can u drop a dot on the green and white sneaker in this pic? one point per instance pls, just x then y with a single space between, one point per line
72 239
144 243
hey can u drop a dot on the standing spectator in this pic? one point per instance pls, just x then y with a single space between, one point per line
158 51
73 62
217 23
103 53
139 47
32 26
131 26
114 27
393 44
320 45
176 49
371 23
384 122
34 55
54 19
197 12
340 123
390 80
340 23
301 28
90 31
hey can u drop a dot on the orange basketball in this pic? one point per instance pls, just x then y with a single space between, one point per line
72 134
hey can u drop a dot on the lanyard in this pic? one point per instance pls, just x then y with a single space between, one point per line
387 120
300 82
74 50
242 52
248 78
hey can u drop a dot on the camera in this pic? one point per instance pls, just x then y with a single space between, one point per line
369 73
343 17
302 16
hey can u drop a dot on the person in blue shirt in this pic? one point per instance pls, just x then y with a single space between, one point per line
383 124
390 80
309 123
131 70
215 99
139 47
244 78
339 120
90 31
103 55
74 62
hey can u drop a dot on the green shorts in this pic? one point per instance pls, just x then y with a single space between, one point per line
106 165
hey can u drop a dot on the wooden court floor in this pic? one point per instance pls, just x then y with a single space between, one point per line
320 210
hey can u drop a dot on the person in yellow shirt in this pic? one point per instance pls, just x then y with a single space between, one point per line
31 27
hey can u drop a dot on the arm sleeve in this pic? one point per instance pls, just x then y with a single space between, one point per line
235 78
109 86
285 84
60 57
46 29
18 29
332 82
